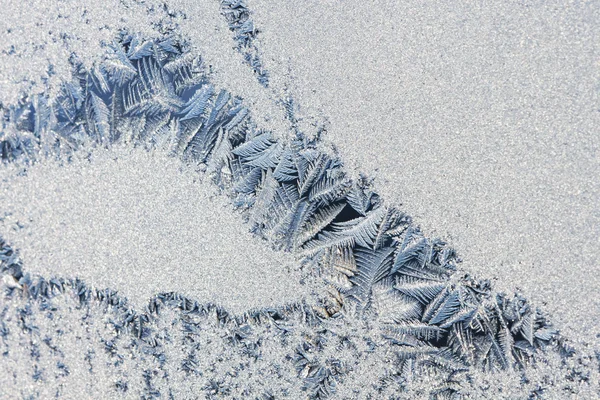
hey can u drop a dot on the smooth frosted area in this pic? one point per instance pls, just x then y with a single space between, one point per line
138 223
482 120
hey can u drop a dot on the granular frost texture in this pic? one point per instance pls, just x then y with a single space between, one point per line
161 240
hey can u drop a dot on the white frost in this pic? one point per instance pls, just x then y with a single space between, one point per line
135 222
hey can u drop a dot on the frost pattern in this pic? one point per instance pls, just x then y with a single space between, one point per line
238 17
394 309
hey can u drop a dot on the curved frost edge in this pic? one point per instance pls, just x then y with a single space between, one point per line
378 267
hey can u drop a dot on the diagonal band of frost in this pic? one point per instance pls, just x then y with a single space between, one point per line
394 310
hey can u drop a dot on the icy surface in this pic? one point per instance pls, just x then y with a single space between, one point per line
40 38
132 221
403 322
482 120
68 348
